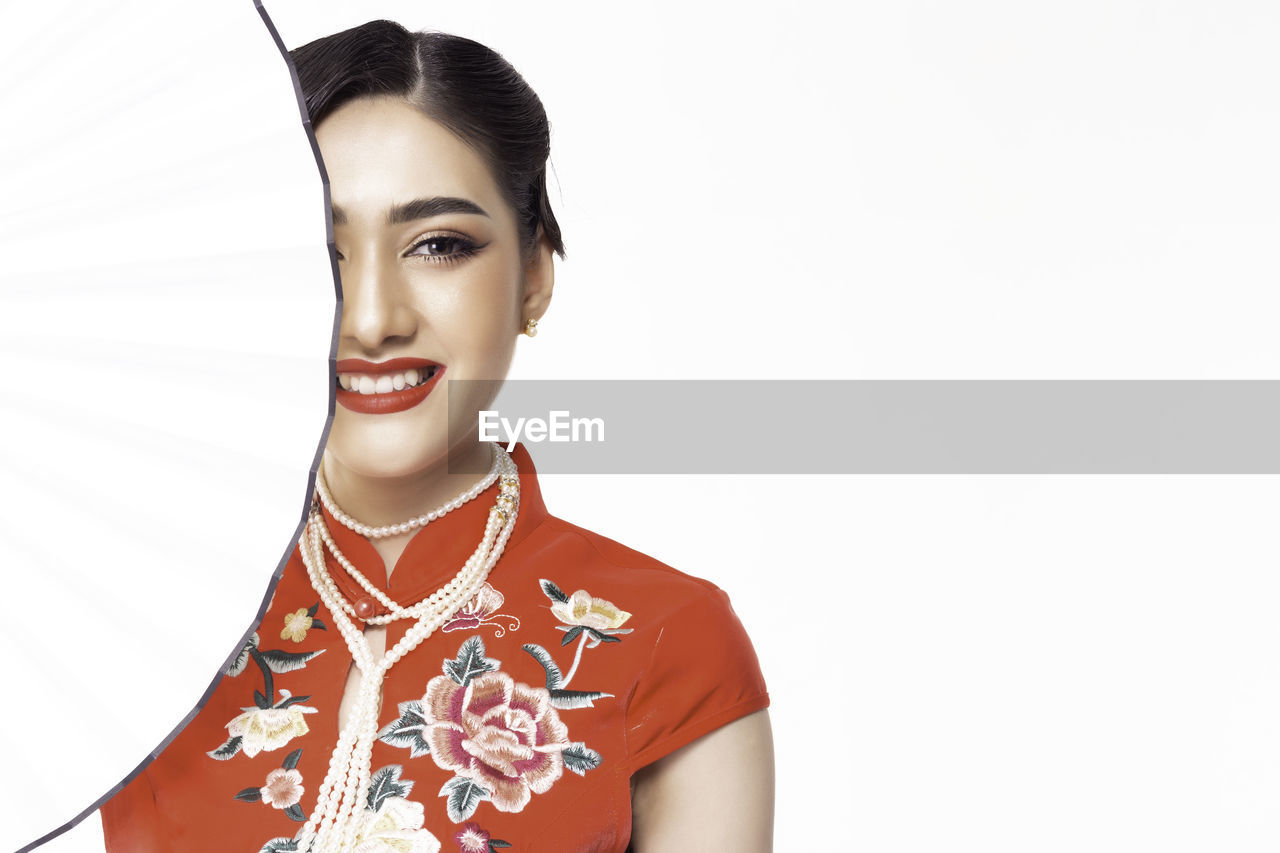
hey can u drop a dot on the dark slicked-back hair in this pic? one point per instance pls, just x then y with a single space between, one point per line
465 86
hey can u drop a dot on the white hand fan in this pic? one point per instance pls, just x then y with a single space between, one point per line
167 310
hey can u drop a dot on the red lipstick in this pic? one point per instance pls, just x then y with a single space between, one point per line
392 401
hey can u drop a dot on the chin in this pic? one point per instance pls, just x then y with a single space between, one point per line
385 452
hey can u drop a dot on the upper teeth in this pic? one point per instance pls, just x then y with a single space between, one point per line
384 383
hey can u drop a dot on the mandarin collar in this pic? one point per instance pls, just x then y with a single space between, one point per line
437 551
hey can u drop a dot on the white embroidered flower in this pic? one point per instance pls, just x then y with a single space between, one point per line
585 610
396 827
265 729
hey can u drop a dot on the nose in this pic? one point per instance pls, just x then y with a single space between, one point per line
375 309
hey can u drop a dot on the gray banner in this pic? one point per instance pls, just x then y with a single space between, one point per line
814 426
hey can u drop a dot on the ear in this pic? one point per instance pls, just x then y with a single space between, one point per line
539 279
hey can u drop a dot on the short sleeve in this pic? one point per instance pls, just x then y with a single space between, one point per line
702 674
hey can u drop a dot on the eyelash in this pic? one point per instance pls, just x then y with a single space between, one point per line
465 249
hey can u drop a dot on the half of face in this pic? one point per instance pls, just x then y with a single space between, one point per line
434 285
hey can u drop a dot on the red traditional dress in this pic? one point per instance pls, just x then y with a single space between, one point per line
515 726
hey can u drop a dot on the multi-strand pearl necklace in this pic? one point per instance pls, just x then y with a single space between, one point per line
333 825
504 502
322 486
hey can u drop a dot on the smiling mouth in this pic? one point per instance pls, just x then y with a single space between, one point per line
369 384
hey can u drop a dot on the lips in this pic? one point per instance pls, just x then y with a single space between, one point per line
391 401
395 365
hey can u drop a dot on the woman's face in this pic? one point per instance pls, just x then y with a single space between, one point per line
431 269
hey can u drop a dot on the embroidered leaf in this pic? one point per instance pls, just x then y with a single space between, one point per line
242 659
571 635
387 783
295 813
554 677
603 638
318 625
228 749
281 661
260 700
470 662
250 795
409 731
292 700
268 684
311 611
569 699
464 795
580 758
553 592
291 760
498 842
279 845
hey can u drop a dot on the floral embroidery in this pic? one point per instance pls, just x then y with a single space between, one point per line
396 827
264 729
472 839
270 724
482 609
502 736
389 823
582 609
503 740
297 623
283 788
591 621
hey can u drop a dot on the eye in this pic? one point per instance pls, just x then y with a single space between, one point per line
444 248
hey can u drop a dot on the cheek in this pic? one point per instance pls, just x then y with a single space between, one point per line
483 301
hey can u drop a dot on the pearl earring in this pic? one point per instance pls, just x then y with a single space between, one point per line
531 327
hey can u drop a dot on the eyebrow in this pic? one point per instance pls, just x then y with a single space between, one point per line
419 208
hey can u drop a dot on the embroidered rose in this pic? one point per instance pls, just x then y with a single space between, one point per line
296 625
283 788
265 729
482 609
582 609
504 736
396 827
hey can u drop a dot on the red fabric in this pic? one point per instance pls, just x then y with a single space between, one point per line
679 666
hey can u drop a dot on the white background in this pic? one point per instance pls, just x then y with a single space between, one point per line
936 190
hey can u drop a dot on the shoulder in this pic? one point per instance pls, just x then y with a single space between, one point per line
584 557
693 667
660 606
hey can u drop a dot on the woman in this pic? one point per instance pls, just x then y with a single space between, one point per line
559 691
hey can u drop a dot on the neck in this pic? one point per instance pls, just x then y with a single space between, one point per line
379 501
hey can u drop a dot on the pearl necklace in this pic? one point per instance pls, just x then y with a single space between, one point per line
333 825
370 532
505 502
